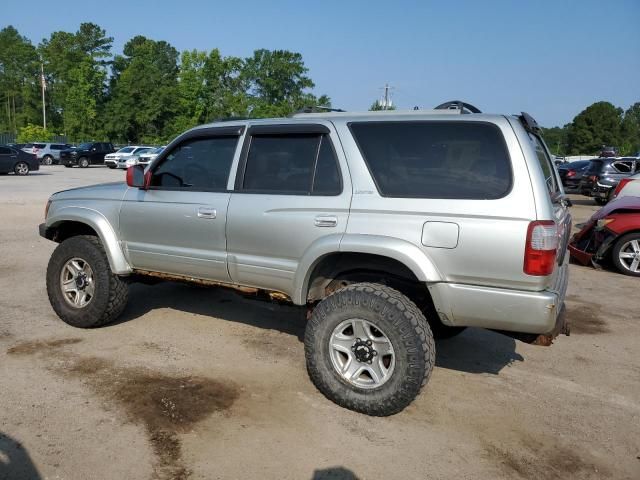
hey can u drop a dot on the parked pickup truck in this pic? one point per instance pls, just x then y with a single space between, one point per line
390 228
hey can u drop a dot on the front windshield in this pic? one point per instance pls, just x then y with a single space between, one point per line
126 150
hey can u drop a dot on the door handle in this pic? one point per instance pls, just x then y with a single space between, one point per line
326 221
207 212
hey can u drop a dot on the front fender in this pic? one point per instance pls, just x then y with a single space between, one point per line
98 222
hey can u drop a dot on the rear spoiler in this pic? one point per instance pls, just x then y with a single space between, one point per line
529 123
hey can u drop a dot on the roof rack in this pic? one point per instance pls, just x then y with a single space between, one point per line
458 105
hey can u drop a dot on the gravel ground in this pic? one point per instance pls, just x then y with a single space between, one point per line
202 383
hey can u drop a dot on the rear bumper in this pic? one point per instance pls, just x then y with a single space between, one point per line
503 309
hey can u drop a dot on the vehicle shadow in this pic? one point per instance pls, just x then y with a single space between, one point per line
15 462
334 473
477 351
473 351
214 302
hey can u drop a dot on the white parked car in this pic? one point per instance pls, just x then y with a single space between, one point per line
119 158
147 157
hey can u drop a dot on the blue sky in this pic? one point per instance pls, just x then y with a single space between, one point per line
549 58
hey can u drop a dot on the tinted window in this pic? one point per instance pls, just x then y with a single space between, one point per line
201 164
56 146
39 145
5 151
281 163
545 164
464 160
326 180
594 166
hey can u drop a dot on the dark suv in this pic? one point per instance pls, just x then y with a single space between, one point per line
603 175
91 153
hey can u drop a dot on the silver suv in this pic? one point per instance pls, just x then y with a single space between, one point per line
47 153
391 228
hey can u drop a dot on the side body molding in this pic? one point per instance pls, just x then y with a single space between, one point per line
404 252
104 229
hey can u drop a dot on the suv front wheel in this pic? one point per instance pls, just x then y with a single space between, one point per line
81 288
369 349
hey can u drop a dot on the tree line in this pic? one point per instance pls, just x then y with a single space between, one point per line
148 94
599 124
151 92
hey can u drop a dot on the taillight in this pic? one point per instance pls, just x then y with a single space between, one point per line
621 185
541 248
571 173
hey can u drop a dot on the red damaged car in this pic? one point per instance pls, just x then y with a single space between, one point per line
612 232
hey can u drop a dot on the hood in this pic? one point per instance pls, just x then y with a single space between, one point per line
103 191
622 203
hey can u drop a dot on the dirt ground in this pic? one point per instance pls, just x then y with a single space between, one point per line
204 384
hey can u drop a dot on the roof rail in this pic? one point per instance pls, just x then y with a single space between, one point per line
317 109
458 105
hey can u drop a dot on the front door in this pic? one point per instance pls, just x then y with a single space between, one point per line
178 224
292 193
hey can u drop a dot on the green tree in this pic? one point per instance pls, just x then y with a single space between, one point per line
277 83
144 88
378 106
19 80
33 133
599 124
75 66
630 130
556 139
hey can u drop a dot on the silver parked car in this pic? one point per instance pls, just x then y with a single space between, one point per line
47 153
147 157
389 228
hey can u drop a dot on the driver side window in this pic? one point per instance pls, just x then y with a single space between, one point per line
201 164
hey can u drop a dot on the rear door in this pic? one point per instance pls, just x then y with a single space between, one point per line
292 192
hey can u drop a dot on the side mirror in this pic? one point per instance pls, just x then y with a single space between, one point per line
136 177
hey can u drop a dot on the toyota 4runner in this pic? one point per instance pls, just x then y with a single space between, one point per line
391 228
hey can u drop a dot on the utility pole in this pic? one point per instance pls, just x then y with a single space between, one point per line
43 84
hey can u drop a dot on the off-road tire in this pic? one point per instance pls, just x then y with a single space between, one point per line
47 160
111 292
83 162
615 252
404 325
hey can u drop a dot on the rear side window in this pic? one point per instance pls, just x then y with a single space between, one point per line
5 151
451 160
299 164
594 166
545 163
39 145
198 165
624 166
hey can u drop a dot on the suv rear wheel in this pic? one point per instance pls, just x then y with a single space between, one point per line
369 348
81 288
47 160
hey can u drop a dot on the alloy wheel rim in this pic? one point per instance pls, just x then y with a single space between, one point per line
629 256
77 282
361 353
22 168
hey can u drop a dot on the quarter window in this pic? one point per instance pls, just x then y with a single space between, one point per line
5 151
545 164
199 165
429 159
